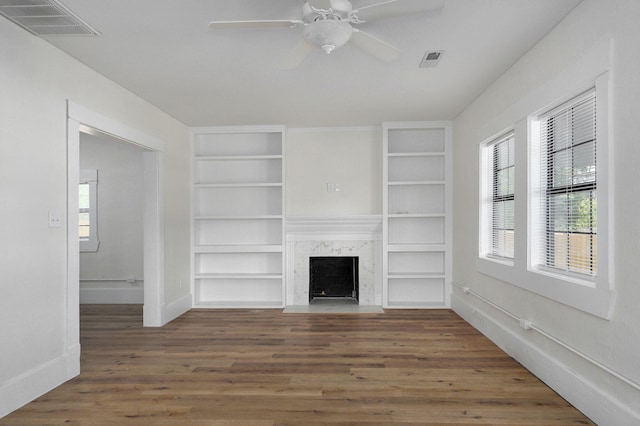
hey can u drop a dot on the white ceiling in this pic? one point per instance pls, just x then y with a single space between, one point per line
163 51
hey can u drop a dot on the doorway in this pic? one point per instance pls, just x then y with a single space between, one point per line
111 191
82 120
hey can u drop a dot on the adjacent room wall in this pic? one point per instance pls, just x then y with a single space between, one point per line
350 157
38 79
103 274
592 32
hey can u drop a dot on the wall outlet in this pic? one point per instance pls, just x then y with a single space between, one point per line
54 220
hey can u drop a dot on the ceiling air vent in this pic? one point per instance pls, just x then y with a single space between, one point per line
431 59
45 17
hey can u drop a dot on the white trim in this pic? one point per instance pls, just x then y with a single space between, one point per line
175 309
31 384
153 232
237 129
593 68
308 228
110 295
585 395
334 129
83 119
112 127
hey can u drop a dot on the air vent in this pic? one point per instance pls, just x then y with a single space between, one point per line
45 17
431 59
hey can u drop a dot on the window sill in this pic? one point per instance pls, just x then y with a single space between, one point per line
579 294
89 246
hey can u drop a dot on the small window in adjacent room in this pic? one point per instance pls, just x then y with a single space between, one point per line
498 190
567 232
88 214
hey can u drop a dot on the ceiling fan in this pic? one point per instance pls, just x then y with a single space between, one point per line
330 24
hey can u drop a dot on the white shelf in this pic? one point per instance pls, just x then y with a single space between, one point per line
236 157
238 185
239 276
238 217
413 215
416 219
401 248
410 275
416 182
243 248
276 217
239 304
416 154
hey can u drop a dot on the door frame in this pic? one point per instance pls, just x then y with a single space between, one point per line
81 119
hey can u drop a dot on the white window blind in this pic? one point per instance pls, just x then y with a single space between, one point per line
569 187
502 198
497 209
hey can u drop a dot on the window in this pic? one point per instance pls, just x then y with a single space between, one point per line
498 199
88 211
568 189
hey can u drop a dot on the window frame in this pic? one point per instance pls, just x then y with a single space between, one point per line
553 148
595 296
92 243
489 196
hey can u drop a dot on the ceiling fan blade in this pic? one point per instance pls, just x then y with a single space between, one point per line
296 56
393 8
375 47
252 25
320 4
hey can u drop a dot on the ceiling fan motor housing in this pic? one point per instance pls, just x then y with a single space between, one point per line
328 29
328 34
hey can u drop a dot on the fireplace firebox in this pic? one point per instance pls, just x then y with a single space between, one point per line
333 277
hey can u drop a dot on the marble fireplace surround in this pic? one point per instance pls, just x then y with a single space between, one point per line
334 236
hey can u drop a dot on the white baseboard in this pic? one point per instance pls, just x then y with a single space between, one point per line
112 296
582 393
36 382
177 308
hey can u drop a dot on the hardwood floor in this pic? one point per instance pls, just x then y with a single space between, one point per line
263 367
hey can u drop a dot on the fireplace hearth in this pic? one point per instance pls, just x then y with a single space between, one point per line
333 278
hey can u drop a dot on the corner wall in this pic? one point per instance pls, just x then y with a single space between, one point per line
598 370
38 79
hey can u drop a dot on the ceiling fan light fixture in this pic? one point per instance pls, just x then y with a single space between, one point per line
328 34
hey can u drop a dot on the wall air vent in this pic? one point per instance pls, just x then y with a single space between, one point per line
431 59
45 17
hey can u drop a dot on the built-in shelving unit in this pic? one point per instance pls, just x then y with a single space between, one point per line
238 216
417 214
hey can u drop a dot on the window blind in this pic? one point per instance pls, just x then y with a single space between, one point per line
501 210
569 186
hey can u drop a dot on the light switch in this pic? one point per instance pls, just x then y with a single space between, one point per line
333 187
54 220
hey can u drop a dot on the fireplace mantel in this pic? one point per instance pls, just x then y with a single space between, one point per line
309 228
330 236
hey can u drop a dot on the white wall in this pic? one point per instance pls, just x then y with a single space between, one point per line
350 157
37 82
582 38
120 194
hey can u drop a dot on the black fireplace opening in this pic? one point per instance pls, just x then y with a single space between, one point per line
333 277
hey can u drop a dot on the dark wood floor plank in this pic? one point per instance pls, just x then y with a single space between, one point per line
264 368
